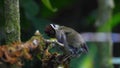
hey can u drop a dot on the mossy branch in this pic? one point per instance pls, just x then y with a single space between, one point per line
36 45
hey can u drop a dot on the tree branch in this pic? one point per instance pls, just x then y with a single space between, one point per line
37 46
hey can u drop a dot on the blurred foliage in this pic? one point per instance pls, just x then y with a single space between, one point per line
1 13
30 7
36 14
58 4
114 21
117 6
48 5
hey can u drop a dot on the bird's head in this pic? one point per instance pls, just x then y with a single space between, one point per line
50 30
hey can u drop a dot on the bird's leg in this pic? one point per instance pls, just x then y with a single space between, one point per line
66 58
60 44
54 41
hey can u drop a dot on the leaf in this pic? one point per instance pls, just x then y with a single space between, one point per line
114 21
48 5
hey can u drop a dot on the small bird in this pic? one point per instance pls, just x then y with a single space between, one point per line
74 44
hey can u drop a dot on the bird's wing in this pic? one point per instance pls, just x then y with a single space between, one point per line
61 37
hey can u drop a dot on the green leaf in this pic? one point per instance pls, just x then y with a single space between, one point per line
48 5
115 20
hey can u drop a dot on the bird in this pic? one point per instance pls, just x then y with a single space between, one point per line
74 44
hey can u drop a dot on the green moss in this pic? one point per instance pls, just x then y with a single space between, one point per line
12 20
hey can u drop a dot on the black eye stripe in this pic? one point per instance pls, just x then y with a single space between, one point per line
54 25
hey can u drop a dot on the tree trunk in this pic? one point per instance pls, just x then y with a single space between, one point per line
12 23
105 8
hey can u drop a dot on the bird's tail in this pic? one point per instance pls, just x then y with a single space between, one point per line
85 48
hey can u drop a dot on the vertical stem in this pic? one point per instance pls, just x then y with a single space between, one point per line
105 8
12 20
12 23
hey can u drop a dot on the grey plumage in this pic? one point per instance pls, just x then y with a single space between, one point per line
74 44
75 41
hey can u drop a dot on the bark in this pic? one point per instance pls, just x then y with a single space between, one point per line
105 8
12 20
12 23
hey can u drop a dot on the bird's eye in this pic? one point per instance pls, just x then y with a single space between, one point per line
52 32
